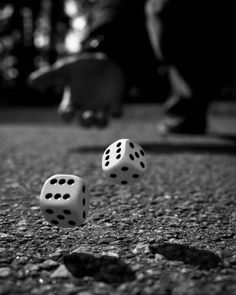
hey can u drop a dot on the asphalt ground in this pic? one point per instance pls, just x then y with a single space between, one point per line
173 232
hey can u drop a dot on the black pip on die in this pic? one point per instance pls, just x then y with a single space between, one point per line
124 162
64 200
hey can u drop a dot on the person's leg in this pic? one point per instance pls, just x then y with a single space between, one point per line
117 33
182 102
99 72
91 82
66 108
184 112
118 29
194 40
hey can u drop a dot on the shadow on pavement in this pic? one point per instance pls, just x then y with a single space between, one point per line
199 148
225 145
203 259
106 268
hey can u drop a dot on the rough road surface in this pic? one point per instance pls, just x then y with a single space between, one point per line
172 233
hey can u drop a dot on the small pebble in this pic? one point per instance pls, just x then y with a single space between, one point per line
2 250
4 236
60 272
5 272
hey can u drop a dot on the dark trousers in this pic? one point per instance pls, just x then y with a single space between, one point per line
195 37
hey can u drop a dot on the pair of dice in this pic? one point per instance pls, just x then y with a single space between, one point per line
64 199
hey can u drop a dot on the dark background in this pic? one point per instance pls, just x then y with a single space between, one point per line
33 34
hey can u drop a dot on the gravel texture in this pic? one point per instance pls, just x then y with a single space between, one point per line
171 233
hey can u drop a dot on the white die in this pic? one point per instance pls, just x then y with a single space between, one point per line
64 200
124 162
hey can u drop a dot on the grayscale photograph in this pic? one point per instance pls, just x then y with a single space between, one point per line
117 147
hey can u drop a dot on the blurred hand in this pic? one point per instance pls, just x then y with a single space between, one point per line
91 83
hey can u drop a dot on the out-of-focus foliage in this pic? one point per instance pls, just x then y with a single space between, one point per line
34 34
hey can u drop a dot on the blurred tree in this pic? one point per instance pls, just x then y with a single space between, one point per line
29 35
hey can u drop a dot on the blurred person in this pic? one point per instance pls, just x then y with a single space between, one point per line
126 43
